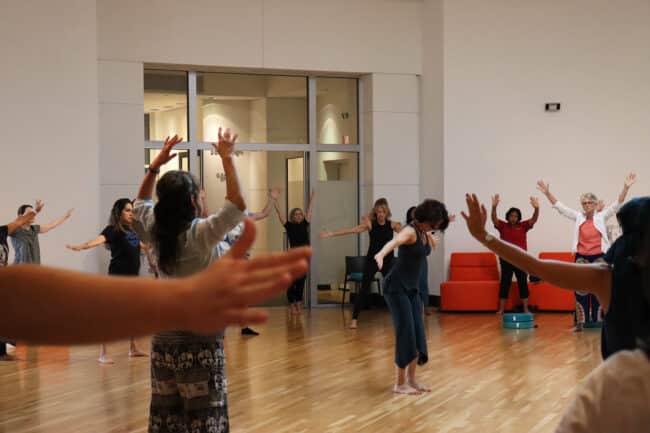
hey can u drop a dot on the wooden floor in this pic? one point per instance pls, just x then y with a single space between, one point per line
314 375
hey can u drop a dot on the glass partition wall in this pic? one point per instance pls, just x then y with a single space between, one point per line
296 133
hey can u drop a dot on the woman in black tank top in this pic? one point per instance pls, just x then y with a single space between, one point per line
380 229
402 293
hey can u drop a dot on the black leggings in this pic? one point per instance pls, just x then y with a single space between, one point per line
296 290
507 269
369 271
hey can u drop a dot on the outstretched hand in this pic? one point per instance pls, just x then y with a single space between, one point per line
221 295
225 147
39 206
630 179
543 187
495 200
74 247
534 202
476 217
275 193
165 154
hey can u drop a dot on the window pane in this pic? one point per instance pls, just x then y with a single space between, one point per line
258 172
336 205
165 104
261 108
181 162
336 106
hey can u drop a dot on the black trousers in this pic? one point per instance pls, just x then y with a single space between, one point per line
369 271
507 270
296 290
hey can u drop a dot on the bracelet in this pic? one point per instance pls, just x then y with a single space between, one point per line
488 238
153 170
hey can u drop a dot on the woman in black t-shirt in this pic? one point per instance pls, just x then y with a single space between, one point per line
380 228
297 227
125 247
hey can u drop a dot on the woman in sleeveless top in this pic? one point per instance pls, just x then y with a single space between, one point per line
424 276
380 229
402 295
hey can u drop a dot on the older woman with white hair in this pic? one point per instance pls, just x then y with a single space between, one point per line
590 240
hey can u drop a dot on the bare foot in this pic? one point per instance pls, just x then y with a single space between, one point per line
428 312
526 310
405 389
353 324
135 353
577 328
419 387
105 360
499 312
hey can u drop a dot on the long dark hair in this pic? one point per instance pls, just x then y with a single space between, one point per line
178 193
409 214
434 213
634 243
114 220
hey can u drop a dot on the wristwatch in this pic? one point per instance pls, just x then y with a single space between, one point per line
153 170
488 238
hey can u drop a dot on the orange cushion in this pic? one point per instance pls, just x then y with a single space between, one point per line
473 273
548 297
561 256
469 296
472 259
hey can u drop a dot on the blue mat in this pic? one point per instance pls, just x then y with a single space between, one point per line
518 317
519 325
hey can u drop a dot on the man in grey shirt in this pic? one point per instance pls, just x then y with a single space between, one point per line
25 239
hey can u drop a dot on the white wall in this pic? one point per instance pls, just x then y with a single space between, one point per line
432 170
338 35
502 61
48 112
395 142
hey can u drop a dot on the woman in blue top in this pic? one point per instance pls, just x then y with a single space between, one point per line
402 292
124 244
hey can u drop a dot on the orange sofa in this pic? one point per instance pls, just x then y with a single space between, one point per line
547 297
473 283
474 286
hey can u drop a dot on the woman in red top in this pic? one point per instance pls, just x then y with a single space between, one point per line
513 231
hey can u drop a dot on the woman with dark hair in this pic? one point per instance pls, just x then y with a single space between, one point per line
402 295
590 241
616 396
515 231
124 244
188 377
297 227
27 248
380 229
424 276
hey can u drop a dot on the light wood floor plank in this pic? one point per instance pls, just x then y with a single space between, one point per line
315 375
